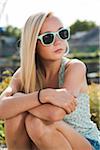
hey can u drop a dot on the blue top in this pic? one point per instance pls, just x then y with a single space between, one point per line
80 118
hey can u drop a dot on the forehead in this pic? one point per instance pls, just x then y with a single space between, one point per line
51 23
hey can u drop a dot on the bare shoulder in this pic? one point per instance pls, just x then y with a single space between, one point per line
17 73
16 80
75 76
14 85
75 65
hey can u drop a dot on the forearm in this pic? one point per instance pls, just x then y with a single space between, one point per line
60 98
13 105
48 112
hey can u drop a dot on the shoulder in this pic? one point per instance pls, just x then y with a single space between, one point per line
75 76
75 65
17 73
14 85
16 79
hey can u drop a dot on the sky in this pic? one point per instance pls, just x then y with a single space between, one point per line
16 12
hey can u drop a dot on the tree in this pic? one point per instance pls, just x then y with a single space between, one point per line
82 26
13 31
16 32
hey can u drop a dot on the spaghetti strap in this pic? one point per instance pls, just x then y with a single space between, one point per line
80 118
65 61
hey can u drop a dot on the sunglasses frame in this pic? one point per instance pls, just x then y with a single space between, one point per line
40 37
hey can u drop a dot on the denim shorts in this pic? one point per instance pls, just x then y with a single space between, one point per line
95 144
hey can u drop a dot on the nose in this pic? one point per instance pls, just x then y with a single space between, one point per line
57 40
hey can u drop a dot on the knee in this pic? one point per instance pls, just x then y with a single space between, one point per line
15 121
34 126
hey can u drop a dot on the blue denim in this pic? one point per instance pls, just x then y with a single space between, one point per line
95 144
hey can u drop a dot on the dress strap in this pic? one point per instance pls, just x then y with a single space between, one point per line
62 70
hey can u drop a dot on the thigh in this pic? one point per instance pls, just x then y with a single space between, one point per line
52 139
45 135
15 124
16 135
34 147
77 141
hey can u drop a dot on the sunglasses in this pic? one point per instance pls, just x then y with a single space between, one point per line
48 38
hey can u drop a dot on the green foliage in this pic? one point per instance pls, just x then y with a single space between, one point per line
82 26
94 94
3 85
9 30
2 133
16 32
6 76
86 57
13 31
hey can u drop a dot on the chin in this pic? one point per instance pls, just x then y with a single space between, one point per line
56 57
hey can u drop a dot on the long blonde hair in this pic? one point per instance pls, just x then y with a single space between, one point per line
28 51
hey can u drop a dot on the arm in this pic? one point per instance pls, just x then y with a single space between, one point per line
48 112
75 77
11 104
74 80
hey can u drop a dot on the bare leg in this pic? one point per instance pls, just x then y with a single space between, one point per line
45 136
77 141
58 135
16 135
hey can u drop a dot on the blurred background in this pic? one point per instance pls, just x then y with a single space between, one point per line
83 19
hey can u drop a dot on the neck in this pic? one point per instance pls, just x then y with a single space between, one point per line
51 68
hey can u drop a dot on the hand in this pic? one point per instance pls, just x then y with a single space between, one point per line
10 91
59 97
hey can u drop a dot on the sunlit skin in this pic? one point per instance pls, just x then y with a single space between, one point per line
49 51
51 59
43 123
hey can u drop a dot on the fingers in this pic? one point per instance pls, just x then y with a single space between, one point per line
75 101
70 106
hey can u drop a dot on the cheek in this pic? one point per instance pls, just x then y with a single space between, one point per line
38 47
42 50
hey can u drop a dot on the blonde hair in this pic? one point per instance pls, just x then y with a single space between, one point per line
28 50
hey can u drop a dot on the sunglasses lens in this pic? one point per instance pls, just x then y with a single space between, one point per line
64 34
48 38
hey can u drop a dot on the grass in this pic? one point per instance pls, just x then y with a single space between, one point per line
94 93
86 57
2 133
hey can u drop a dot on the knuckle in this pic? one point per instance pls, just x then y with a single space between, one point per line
68 111
66 104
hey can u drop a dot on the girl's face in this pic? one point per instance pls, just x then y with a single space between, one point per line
56 50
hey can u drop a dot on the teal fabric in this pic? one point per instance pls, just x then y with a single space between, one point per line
80 118
95 144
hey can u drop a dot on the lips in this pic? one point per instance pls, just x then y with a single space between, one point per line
58 50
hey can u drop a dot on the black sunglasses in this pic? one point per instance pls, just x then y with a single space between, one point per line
48 38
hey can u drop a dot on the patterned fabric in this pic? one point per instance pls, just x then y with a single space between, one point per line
80 118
